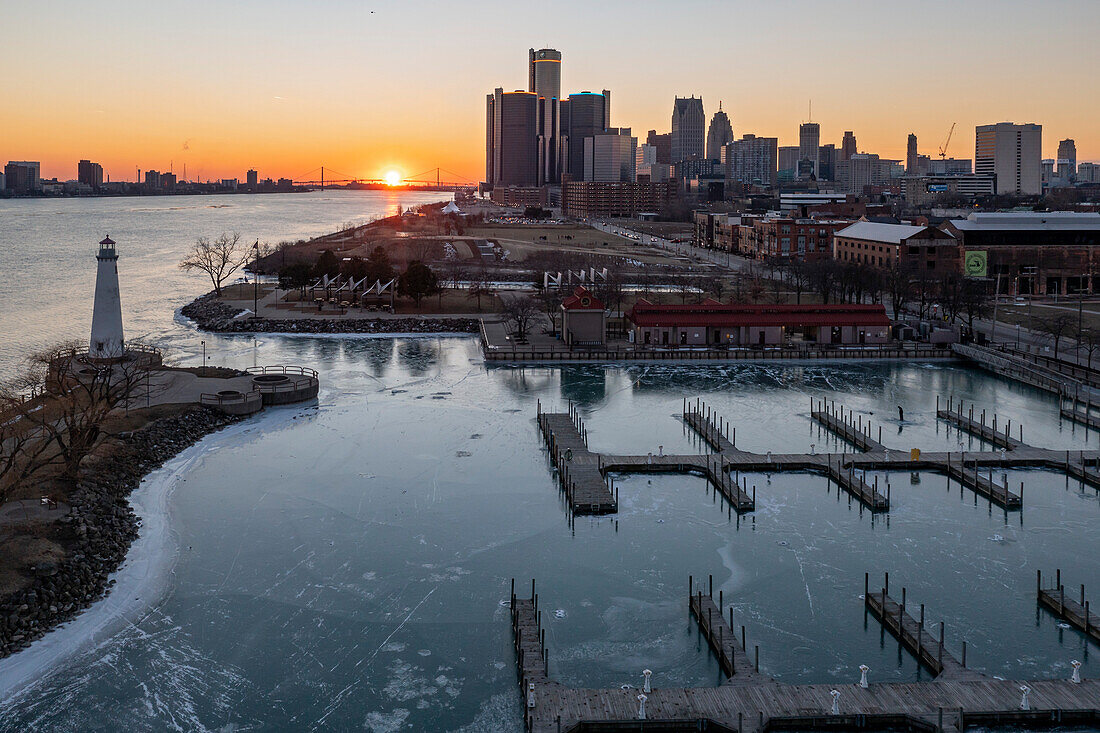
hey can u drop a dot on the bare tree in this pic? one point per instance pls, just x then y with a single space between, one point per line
798 277
520 310
479 285
899 288
1056 327
218 259
72 397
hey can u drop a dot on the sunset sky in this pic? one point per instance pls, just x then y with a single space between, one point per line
363 88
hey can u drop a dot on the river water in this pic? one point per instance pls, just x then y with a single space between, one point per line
344 565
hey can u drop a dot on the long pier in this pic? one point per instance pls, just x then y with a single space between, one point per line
1082 473
867 494
721 637
714 467
579 474
984 486
712 428
848 428
989 433
910 632
750 702
1087 419
1076 613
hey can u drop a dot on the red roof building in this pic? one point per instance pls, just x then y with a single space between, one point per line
711 323
583 319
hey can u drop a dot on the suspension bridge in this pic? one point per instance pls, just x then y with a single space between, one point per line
433 179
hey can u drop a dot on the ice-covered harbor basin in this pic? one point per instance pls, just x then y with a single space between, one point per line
342 566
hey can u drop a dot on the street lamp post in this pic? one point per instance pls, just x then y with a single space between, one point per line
255 280
204 357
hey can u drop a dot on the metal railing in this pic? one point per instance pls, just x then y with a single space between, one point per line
283 369
702 353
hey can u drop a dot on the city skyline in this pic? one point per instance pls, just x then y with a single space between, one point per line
189 91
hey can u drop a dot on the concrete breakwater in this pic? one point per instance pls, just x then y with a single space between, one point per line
99 529
211 314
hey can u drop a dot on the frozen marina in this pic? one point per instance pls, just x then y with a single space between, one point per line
343 566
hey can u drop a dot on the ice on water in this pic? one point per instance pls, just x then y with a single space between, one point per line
345 564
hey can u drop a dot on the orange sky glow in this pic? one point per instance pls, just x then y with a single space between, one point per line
286 87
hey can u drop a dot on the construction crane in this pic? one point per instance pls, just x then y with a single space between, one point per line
943 148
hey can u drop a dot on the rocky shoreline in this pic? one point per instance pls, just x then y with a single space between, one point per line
210 314
100 528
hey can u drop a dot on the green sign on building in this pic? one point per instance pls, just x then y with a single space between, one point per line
974 264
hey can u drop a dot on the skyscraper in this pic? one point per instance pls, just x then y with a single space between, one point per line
663 144
826 157
583 115
788 162
911 155
848 146
1012 154
544 80
689 124
1067 159
610 155
719 133
512 140
809 145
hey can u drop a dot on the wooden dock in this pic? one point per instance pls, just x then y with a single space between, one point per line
720 635
1084 418
911 634
867 494
983 485
998 436
714 467
1082 473
850 429
1076 613
755 703
579 476
711 427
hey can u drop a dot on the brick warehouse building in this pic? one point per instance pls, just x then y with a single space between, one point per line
1035 253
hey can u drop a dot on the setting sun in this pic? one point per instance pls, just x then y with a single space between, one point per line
392 178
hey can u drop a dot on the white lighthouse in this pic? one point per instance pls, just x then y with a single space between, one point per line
107 341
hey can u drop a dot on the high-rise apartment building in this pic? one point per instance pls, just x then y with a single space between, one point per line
89 173
252 178
848 146
809 147
719 133
1012 154
544 80
512 139
911 155
663 144
583 115
1088 173
611 155
863 169
689 124
752 160
23 176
